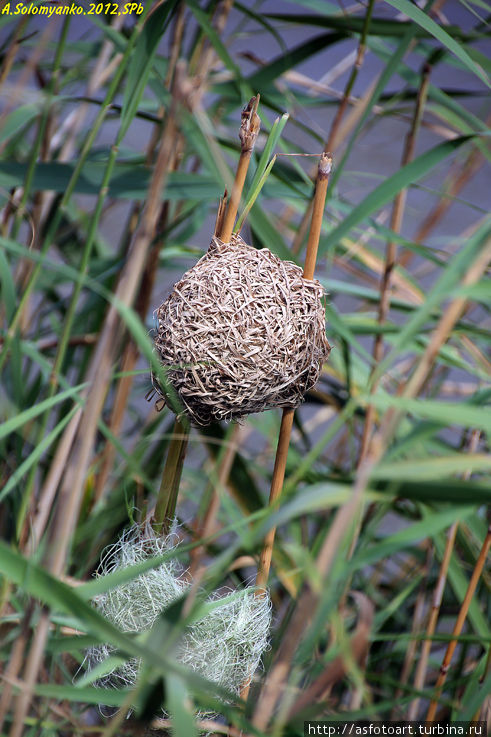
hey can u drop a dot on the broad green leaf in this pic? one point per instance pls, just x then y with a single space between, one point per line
433 468
128 181
178 703
448 413
378 26
14 423
85 695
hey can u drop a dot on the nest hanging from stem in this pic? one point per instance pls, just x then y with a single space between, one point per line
241 332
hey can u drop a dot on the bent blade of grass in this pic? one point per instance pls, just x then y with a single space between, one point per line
423 20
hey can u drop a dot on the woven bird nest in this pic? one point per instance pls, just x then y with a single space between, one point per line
241 332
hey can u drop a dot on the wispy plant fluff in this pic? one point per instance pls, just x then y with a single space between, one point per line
225 646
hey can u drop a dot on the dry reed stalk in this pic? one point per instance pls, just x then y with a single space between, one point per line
446 324
388 273
336 123
322 182
207 54
32 666
337 669
417 624
406 289
421 668
34 529
415 383
130 358
99 377
391 251
28 68
10 52
274 494
14 666
249 130
131 352
474 580
222 208
461 173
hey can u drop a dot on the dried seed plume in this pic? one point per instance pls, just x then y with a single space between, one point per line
225 646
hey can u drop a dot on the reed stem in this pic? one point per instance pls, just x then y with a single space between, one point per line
322 181
171 476
476 574
248 133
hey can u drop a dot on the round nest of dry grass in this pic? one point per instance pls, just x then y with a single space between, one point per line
241 332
